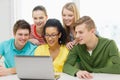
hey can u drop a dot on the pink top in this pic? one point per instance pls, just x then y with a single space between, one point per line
35 35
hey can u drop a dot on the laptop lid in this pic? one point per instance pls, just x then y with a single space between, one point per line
34 67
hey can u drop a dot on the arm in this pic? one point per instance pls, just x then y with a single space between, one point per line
69 67
113 65
6 71
84 75
70 44
0 57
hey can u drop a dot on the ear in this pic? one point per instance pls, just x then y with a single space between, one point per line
93 31
46 17
60 35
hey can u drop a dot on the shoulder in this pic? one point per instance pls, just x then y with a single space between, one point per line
42 50
64 48
107 43
77 48
31 45
6 46
42 47
103 40
7 42
33 25
32 28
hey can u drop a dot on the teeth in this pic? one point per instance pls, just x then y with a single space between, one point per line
50 42
67 21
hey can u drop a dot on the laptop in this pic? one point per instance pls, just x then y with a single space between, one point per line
34 67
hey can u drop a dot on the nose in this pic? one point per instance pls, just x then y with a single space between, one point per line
65 17
49 38
23 37
77 35
38 20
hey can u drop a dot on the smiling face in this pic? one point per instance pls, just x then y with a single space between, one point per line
68 17
21 37
83 35
39 18
52 35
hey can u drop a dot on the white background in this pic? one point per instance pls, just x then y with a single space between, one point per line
105 13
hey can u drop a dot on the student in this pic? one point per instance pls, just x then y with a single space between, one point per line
39 15
93 53
55 37
70 14
19 45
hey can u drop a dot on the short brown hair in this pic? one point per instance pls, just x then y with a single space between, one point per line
21 24
85 20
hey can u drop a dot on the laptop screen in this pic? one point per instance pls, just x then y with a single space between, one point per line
34 67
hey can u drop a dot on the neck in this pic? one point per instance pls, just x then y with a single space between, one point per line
39 30
54 51
53 48
18 47
91 45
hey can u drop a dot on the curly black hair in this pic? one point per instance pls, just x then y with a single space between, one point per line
57 24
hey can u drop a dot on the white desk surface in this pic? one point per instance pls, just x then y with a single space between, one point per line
96 76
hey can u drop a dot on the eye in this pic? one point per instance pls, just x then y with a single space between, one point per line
53 34
70 15
34 18
63 15
80 32
46 34
41 17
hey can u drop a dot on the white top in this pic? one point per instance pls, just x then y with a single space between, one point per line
90 52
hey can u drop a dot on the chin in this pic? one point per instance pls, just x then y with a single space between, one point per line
51 45
67 24
81 43
22 44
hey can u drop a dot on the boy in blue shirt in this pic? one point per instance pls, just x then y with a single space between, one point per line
19 45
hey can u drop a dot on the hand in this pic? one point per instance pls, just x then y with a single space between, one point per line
34 41
70 45
84 75
4 71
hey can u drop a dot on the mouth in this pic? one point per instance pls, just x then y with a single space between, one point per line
39 23
67 22
50 42
22 41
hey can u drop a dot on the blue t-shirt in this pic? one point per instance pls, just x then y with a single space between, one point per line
8 51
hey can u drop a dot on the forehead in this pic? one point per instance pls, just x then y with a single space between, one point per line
66 11
51 29
22 31
38 13
80 27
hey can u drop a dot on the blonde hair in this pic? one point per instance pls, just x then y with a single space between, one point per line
87 21
71 6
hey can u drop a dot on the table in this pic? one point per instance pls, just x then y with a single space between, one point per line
96 76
